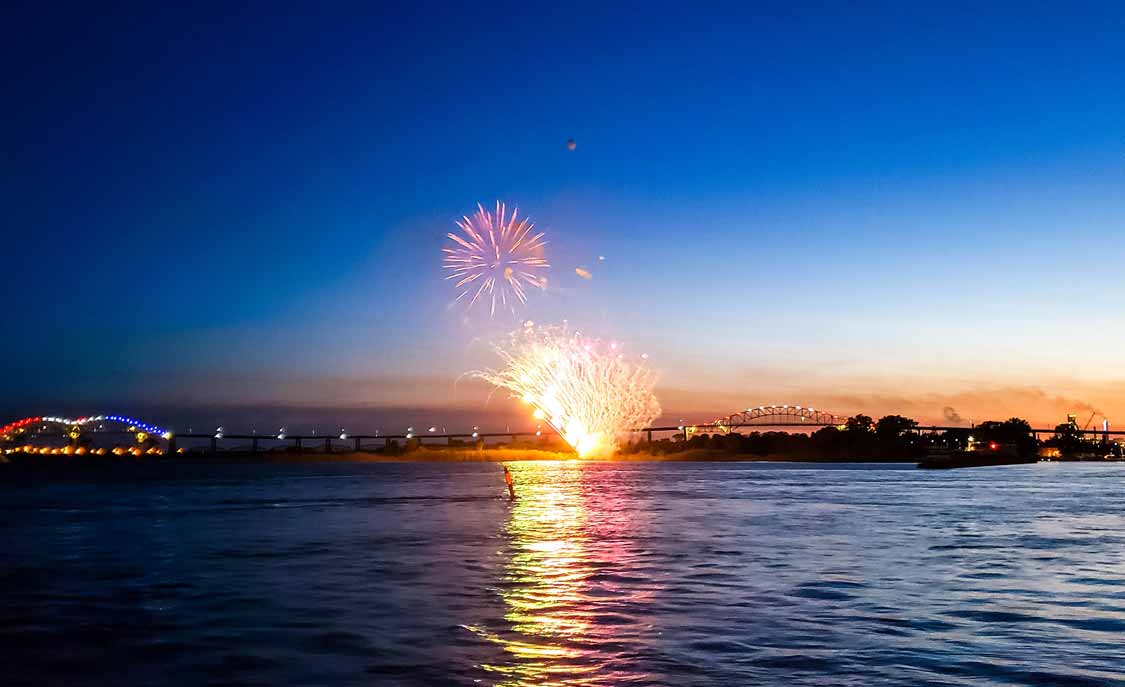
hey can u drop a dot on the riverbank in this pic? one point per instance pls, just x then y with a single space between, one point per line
424 454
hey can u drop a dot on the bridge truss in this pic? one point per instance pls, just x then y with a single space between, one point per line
775 416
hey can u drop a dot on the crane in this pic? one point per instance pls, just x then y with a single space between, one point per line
1089 420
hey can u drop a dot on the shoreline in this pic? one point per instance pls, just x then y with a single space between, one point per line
21 462
419 455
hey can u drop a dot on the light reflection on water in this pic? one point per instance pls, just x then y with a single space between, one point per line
567 596
599 573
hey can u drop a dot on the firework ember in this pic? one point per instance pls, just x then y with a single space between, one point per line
496 258
589 391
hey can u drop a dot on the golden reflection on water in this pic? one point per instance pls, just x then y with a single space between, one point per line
561 533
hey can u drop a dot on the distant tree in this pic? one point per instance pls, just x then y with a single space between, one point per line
732 443
892 426
859 423
829 442
1014 431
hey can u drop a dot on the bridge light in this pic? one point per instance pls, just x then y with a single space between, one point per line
476 434
410 435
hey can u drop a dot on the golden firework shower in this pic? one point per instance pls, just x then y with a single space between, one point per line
591 392
496 258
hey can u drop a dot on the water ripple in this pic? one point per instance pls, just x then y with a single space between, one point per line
598 574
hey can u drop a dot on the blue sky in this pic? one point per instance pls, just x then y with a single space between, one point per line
881 206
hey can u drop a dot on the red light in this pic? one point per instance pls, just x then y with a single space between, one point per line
993 445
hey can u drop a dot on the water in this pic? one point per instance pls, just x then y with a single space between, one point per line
672 574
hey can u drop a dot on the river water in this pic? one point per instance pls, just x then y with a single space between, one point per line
597 574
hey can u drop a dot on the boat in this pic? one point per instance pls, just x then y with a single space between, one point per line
992 456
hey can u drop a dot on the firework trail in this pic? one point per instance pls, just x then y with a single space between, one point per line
496 258
589 391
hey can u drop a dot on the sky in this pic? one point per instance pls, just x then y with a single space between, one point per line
236 214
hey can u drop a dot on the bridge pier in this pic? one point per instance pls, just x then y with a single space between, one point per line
357 444
214 444
327 445
172 444
254 445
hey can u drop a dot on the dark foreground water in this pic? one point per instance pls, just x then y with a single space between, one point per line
676 574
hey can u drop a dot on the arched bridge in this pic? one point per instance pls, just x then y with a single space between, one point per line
27 435
777 416
64 425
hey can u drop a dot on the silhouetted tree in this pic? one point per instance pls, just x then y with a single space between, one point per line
859 423
891 427
829 442
1014 431
732 443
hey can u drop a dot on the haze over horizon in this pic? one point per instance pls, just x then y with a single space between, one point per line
879 210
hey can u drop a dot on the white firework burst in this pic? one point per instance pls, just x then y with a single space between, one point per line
496 259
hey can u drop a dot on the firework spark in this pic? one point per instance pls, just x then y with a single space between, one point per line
589 391
496 258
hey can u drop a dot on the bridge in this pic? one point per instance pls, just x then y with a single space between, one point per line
144 437
149 439
779 416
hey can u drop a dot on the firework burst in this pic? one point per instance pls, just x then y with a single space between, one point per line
496 258
589 391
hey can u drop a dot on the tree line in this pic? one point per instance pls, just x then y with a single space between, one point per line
892 438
